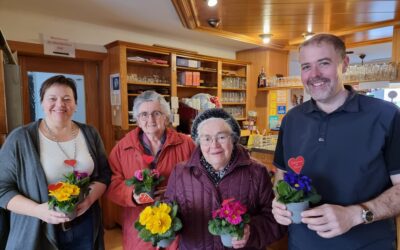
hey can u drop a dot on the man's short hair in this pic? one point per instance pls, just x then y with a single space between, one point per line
335 41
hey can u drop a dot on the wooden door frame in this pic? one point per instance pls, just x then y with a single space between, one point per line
97 77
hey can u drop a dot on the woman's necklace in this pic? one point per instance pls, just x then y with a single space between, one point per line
69 161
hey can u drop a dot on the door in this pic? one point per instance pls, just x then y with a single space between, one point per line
85 71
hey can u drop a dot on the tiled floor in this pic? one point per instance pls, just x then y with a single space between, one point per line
113 239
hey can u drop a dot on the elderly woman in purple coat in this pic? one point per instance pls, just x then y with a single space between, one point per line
220 169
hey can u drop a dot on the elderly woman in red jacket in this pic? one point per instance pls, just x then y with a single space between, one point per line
151 145
220 169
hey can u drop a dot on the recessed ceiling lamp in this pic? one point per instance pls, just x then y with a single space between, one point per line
307 35
266 38
212 3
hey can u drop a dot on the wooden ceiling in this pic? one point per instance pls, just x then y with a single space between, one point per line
358 22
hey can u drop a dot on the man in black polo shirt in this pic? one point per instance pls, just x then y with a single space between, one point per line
351 149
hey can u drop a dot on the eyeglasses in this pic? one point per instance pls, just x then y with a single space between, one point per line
144 116
220 138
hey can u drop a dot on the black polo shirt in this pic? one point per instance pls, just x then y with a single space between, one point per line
349 154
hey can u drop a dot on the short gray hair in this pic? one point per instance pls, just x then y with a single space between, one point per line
333 40
151 96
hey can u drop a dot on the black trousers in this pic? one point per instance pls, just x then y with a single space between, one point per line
4 227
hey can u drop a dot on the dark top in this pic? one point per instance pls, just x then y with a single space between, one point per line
246 180
22 173
350 155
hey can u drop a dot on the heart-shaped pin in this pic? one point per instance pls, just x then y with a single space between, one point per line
148 159
55 186
70 163
145 198
296 164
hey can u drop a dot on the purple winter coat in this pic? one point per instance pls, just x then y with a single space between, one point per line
246 180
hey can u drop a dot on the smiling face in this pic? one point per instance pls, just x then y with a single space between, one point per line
321 71
216 142
58 103
151 119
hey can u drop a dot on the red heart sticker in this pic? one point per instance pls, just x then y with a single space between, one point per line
296 164
70 163
145 198
55 186
148 159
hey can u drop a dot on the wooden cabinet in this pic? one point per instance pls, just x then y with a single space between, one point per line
174 72
139 68
274 62
196 75
234 88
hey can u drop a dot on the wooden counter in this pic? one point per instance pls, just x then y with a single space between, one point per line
265 156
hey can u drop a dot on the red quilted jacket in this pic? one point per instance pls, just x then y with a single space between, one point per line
127 157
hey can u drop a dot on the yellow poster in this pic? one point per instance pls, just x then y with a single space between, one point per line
272 103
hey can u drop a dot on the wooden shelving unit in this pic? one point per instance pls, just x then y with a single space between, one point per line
146 73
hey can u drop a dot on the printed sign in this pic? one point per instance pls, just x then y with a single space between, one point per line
281 109
115 89
57 46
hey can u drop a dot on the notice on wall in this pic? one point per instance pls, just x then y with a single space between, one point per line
281 109
274 122
115 89
57 46
272 103
281 96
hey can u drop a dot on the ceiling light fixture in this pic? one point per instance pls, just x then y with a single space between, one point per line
212 3
307 35
266 38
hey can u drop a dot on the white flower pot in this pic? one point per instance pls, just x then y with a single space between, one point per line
296 209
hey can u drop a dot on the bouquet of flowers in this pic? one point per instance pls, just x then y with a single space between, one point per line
66 194
229 220
145 181
296 188
158 223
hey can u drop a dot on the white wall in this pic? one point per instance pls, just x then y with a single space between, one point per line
19 25
376 52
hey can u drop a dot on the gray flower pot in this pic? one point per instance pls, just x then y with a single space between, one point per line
296 209
164 243
226 240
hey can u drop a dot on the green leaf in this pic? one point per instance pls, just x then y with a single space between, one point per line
176 224
145 235
212 228
174 210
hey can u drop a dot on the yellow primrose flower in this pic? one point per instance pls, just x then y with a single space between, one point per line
146 215
162 208
159 223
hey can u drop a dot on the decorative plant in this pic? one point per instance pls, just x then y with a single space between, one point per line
66 194
229 219
158 222
145 180
296 188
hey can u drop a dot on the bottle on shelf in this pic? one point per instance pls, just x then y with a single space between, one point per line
262 79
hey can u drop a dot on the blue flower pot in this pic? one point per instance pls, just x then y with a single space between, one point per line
296 209
226 240
164 243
